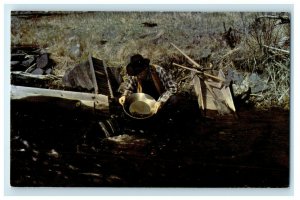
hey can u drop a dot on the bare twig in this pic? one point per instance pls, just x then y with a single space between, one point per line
284 19
283 94
31 68
281 50
230 52
257 95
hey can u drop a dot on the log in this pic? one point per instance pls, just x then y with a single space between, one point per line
25 75
85 100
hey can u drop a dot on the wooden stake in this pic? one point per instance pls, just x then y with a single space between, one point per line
191 69
197 71
190 59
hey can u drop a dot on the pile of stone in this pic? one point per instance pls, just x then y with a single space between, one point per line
31 60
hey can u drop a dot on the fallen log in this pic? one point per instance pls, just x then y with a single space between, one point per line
87 101
26 75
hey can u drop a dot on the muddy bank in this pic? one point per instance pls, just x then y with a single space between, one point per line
52 146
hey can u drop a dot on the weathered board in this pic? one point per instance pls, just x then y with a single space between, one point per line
92 101
213 95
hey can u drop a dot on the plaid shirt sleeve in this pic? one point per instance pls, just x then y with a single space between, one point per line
129 85
168 83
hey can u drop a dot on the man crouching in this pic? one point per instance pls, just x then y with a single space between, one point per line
150 79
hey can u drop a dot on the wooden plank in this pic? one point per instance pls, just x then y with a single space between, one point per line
228 98
210 102
227 93
108 83
214 84
210 90
198 90
93 74
95 101
213 96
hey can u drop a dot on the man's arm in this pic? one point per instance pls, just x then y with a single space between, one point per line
168 83
129 86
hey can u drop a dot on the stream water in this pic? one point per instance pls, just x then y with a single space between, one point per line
51 146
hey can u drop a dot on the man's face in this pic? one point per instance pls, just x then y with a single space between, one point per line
143 74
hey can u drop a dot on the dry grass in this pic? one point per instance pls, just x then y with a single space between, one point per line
115 36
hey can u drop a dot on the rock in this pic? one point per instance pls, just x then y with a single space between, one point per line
42 61
205 53
259 88
79 77
257 84
14 63
254 78
53 153
28 62
75 51
74 46
234 76
38 71
114 179
48 71
241 85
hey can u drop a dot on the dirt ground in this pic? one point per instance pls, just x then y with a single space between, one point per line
51 146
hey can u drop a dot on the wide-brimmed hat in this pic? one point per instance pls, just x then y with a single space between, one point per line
137 64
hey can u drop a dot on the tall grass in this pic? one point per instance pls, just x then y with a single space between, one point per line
115 36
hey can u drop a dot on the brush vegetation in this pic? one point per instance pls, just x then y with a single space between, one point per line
244 42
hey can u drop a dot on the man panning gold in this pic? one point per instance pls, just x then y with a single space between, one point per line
150 79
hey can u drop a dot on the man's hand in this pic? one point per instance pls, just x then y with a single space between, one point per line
122 100
156 107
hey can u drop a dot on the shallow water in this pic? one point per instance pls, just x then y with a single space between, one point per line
52 146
